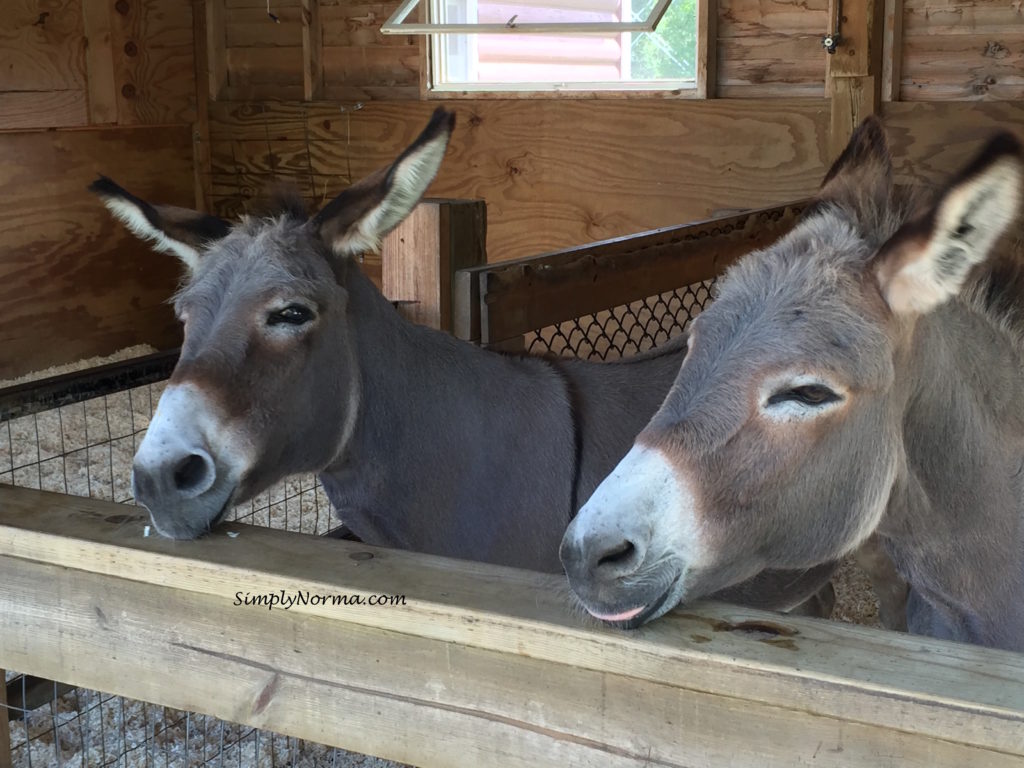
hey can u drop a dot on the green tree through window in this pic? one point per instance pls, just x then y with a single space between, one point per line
670 52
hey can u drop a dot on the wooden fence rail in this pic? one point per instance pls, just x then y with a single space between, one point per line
482 665
497 302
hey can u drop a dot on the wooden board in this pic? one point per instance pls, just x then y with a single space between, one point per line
216 47
771 48
312 51
554 173
263 70
23 110
963 66
382 67
42 46
154 62
930 142
73 282
854 79
892 50
961 50
99 59
481 665
520 296
42 65
420 256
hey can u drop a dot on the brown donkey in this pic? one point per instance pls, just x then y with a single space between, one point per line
859 376
294 362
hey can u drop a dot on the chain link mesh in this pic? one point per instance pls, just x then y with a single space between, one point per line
86 449
625 330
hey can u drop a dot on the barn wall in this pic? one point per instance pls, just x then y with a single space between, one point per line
84 82
88 87
962 50
554 173
557 171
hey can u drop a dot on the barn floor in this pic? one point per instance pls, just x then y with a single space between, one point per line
86 449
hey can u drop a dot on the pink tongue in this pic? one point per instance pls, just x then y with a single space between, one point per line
624 616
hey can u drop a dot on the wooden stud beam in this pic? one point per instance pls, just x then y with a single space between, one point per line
707 49
421 255
854 71
312 51
201 129
482 665
216 48
892 51
507 299
99 62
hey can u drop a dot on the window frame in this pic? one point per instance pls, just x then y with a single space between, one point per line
702 87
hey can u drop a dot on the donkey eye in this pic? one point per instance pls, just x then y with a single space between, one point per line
293 314
809 394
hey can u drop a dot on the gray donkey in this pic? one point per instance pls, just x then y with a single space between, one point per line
294 362
858 376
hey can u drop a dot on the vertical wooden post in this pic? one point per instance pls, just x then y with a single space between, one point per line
420 257
5 725
216 45
99 62
892 51
707 49
201 128
312 51
853 78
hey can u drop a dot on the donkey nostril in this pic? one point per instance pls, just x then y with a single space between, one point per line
190 473
617 556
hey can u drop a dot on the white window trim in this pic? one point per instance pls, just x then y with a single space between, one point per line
396 25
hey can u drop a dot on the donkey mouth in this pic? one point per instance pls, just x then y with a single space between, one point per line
634 618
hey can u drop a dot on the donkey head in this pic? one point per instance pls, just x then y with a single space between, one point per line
267 383
779 443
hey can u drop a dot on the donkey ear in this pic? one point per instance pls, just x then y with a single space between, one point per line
862 175
927 261
356 220
180 231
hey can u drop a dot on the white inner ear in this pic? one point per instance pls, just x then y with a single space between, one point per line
134 219
410 180
968 222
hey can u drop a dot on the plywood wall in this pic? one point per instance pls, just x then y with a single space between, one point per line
962 50
554 173
89 87
66 63
319 98
265 59
771 47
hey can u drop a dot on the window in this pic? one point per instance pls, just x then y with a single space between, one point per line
664 59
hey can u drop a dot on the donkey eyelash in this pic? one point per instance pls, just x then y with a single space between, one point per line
810 395
293 314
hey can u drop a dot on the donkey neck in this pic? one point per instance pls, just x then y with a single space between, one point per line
956 521
455 450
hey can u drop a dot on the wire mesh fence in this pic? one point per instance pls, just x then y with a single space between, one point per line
626 330
88 729
86 449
